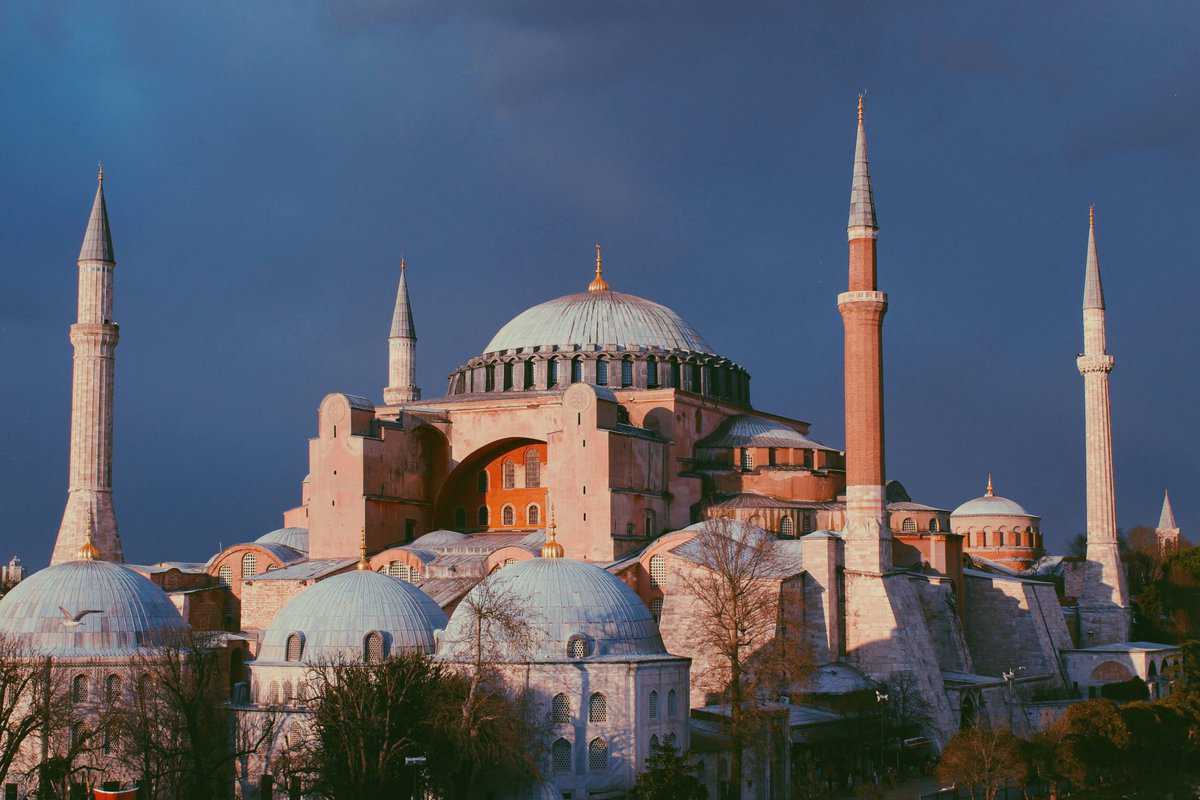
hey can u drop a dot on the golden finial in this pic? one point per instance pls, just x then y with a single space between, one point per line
989 492
1092 216
88 551
552 549
598 283
362 550
860 99
403 263
100 173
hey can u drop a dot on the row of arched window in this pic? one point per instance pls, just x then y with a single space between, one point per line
249 569
560 707
508 516
650 524
1029 537
909 525
113 685
560 755
398 569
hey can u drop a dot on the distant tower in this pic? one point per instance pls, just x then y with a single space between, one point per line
402 348
94 338
1167 531
1104 606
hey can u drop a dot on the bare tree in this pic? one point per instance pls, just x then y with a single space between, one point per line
24 681
982 760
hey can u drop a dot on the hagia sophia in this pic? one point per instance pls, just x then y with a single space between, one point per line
572 463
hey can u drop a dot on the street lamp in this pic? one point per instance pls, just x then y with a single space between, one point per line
880 699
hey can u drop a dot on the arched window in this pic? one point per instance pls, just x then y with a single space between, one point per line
225 575
747 459
602 372
909 525
460 385
651 528
675 374
786 526
112 688
981 539
653 742
529 374
482 516
533 469
374 650
460 518
533 515
295 647
561 755
509 473
481 481
273 693
1014 539
653 704
598 708
806 521
671 740
694 371
577 647
508 375
393 569
998 538
287 693
576 370
627 372
715 386
560 709
249 565
552 372
79 689
933 525
489 378
656 608
507 515
598 754
671 704
658 571
652 372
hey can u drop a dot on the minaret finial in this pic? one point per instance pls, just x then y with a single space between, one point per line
990 492
100 173
552 549
598 283
88 551
363 563
1092 216
403 263
860 107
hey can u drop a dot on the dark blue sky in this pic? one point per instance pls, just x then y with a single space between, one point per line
268 165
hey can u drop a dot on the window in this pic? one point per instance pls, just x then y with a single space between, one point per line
771 456
225 575
627 372
671 740
786 526
694 377
79 689
295 647
652 372
460 518
653 742
489 378
273 693
807 519
561 755
508 375
656 608
509 474
506 515
529 374
651 528
598 754
112 688
577 647
533 515
481 516
747 459
602 372
675 374
249 565
576 370
933 525
598 708
373 647
671 704
560 709
393 569
909 525
714 381
653 705
533 469
552 372
658 571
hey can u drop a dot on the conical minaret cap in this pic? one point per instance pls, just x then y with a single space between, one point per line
1166 520
402 316
97 239
1093 291
862 199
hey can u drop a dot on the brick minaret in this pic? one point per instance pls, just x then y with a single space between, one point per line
89 512
868 539
1167 531
1104 606
402 348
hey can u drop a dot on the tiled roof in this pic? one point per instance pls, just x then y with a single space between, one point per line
747 430
402 316
97 239
306 570
295 538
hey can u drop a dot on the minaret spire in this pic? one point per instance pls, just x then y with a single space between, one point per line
402 348
862 198
1093 290
89 520
1167 518
1167 532
990 492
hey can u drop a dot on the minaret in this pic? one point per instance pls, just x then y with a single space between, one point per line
402 348
1167 531
868 539
89 515
1104 606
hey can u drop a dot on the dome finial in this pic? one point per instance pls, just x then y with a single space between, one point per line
598 283
100 173
860 106
362 550
989 492
88 551
552 549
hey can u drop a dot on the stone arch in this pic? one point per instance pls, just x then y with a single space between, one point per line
1111 672
460 487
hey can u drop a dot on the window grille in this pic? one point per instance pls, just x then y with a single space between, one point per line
656 608
598 754
747 459
273 693
651 372
529 374
489 378
560 709
602 372
249 565
79 689
577 647
509 472
533 515
552 372
482 516
225 575
508 376
598 708
671 704
909 525
112 688
295 647
533 469
576 370
626 372
653 706
658 571
373 649
786 527
561 751
393 569
506 515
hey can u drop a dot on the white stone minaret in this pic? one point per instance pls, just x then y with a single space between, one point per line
94 339
402 348
1104 613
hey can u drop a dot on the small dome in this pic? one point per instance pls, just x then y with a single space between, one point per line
747 430
565 598
594 319
438 539
295 538
126 612
335 615
990 505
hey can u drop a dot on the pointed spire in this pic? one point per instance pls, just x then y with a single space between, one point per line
363 563
552 549
598 283
88 551
862 199
402 316
1166 520
97 239
990 492
1093 292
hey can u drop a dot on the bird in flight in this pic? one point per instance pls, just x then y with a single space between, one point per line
77 620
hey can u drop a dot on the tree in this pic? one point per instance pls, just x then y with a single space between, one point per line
25 703
1093 738
737 618
669 775
983 759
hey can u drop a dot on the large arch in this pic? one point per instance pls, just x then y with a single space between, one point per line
464 490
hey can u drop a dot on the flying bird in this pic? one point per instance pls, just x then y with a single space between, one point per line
77 620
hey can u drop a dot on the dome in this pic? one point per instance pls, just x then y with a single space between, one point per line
335 615
440 538
126 611
565 598
295 538
746 430
598 318
992 506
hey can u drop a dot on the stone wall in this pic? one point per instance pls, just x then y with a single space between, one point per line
1013 622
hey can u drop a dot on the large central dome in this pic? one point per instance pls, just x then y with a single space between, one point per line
595 319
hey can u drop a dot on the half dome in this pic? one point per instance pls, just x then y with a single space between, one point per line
295 538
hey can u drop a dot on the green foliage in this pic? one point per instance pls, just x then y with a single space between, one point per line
1126 691
668 776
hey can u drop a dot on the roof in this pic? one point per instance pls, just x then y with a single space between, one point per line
1093 291
97 238
295 538
445 591
402 316
595 319
789 553
1127 647
991 506
306 570
1166 520
862 199
437 539
748 430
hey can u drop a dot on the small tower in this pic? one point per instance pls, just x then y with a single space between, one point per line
1167 531
402 348
1104 612
89 515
